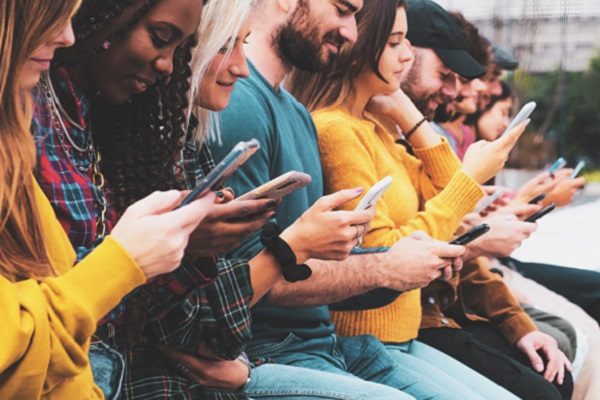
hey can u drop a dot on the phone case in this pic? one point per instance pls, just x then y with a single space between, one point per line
374 194
279 187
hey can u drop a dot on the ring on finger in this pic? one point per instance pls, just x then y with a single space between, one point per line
358 236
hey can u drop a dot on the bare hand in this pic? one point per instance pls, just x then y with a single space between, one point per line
542 183
505 236
325 234
483 160
536 341
565 189
223 374
416 261
228 224
156 234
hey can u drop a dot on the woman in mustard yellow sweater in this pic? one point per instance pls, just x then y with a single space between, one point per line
48 307
359 111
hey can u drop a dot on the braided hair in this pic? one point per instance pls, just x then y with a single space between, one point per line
140 141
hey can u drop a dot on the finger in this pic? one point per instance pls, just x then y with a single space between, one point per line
536 361
240 209
156 203
568 364
359 217
552 368
420 235
579 182
228 194
444 250
191 213
508 140
446 273
560 376
457 264
335 200
525 209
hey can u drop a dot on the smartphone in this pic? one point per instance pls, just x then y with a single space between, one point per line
471 235
232 161
489 200
537 199
279 187
577 169
523 114
541 213
374 194
558 164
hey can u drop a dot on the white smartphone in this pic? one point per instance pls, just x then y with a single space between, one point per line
374 194
577 169
523 114
279 187
489 200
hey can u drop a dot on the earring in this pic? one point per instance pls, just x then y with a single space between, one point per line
106 45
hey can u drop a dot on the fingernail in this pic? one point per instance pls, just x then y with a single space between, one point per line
360 190
220 194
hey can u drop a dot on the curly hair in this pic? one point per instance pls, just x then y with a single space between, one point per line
140 141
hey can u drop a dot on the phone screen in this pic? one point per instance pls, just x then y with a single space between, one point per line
236 157
541 213
471 235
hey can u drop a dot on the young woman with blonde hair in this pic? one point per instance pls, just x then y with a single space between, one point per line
50 308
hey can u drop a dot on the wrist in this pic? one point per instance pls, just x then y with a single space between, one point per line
289 237
283 254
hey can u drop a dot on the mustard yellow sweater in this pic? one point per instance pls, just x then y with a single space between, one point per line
46 326
429 192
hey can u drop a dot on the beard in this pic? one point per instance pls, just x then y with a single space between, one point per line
299 43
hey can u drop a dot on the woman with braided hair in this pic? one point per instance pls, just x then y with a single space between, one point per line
111 121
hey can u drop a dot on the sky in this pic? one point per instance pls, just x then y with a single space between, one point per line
516 8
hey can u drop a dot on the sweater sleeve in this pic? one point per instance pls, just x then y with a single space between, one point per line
47 326
349 160
486 294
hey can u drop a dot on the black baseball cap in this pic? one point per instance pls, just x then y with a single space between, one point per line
504 59
430 26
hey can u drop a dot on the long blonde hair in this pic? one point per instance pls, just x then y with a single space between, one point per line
26 25
221 23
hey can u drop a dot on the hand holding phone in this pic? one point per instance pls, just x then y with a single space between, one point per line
537 199
471 235
232 161
522 115
558 164
541 213
489 200
279 187
374 194
577 170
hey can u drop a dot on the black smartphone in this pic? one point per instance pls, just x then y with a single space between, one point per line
541 213
232 161
537 198
471 235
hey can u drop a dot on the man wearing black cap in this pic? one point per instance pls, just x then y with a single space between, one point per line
440 57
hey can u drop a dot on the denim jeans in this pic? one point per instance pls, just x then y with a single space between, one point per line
354 368
426 364
108 368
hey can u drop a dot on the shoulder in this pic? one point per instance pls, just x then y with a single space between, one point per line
335 124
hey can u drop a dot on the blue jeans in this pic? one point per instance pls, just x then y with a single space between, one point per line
353 368
424 364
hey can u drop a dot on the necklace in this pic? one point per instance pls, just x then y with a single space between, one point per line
60 112
93 154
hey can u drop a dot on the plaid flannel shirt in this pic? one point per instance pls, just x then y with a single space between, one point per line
197 303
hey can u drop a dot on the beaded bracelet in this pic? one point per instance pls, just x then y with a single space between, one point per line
283 253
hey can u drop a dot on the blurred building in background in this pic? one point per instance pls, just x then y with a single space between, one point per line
546 35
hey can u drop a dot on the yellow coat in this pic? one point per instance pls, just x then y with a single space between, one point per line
46 327
429 192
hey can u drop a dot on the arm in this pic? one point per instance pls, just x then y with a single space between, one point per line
411 263
47 326
349 159
488 296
